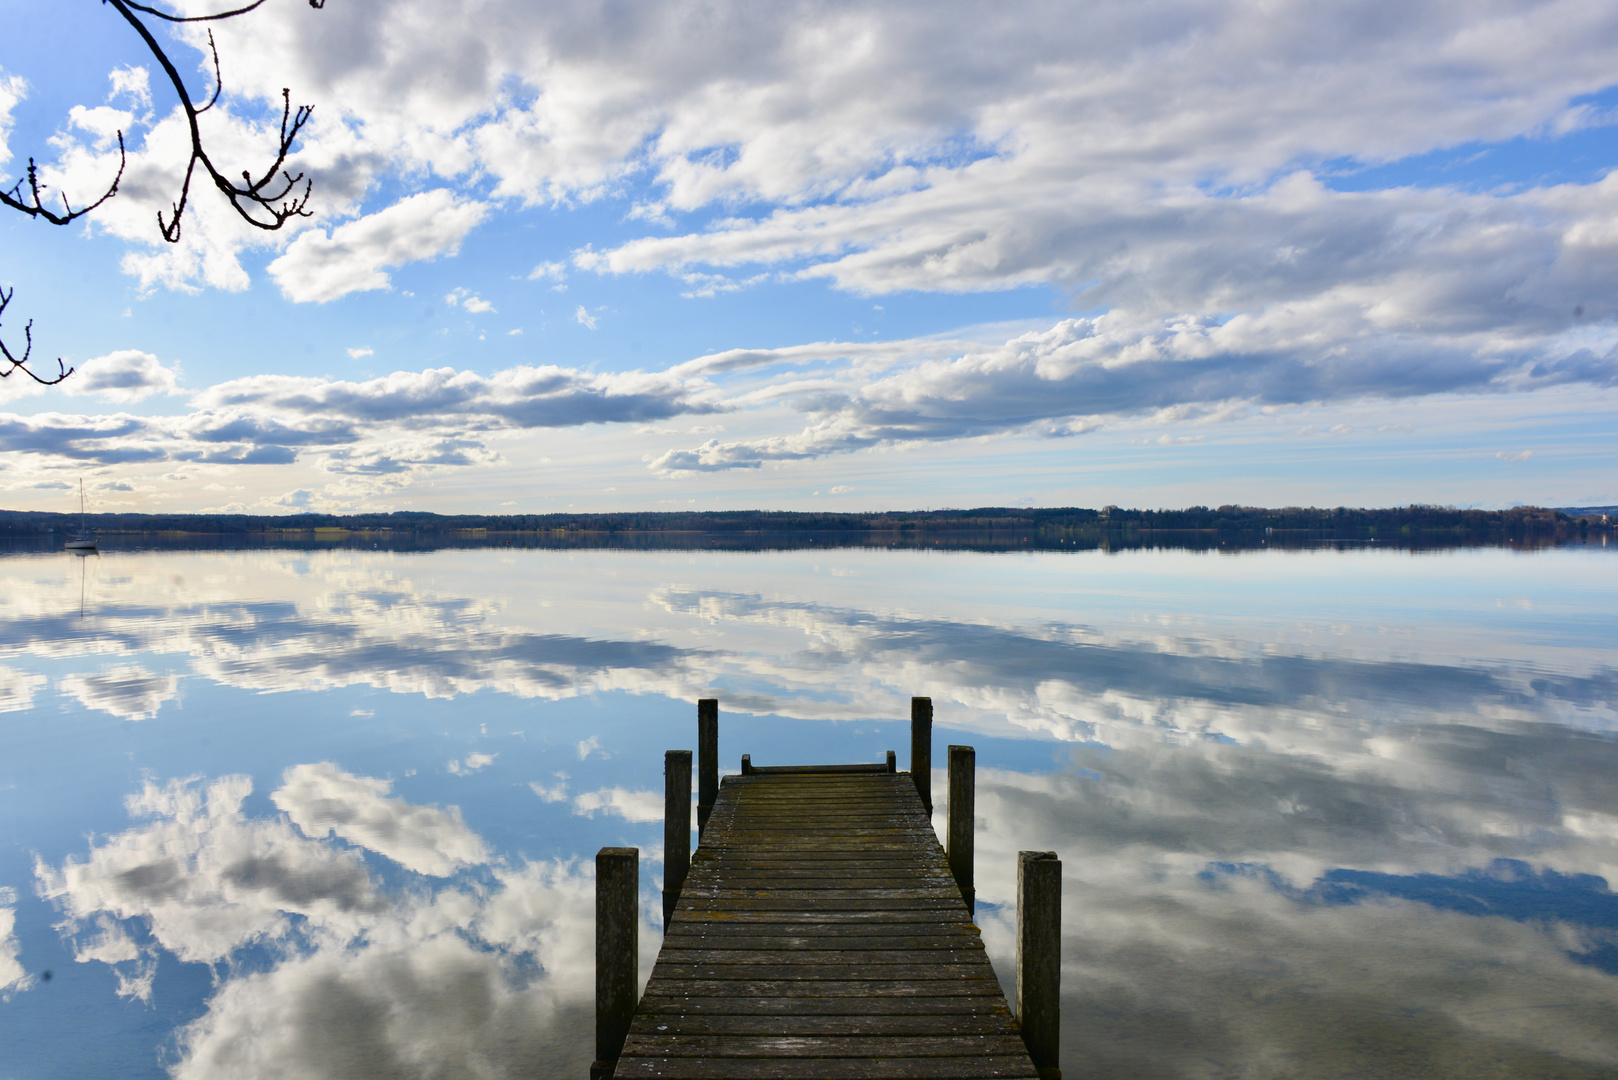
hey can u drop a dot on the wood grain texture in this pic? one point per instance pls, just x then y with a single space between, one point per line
820 933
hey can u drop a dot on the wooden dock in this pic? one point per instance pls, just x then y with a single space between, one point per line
821 932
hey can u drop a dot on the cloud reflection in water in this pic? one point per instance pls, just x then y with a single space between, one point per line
484 976
1287 850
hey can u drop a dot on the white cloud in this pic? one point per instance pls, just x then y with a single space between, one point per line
589 746
637 806
345 979
13 976
945 148
1082 372
13 88
124 377
321 798
471 763
361 352
322 267
206 880
551 793
127 691
17 688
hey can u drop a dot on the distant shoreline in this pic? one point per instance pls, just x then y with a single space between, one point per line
983 528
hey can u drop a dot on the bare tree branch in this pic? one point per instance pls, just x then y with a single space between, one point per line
31 205
20 363
267 202
252 199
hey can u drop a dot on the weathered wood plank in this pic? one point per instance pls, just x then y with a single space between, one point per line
903 1024
961 1068
959 971
820 1046
820 933
985 1009
870 987
802 943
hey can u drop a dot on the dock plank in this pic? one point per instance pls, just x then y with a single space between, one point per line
820 934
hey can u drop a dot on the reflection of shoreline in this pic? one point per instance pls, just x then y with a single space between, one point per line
986 541
988 529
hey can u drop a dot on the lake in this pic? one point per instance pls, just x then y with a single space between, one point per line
285 813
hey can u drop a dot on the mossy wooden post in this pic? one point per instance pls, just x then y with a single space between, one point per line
617 953
962 817
707 759
1039 957
921 748
676 827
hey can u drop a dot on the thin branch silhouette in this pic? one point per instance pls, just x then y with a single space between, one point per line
267 201
20 363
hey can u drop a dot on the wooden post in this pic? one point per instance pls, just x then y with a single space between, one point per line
676 827
707 759
893 762
921 748
962 818
617 953
1039 957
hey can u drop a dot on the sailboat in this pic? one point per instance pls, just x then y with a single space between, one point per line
84 540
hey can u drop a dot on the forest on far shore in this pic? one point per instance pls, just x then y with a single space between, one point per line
995 528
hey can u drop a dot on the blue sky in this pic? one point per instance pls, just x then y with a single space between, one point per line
827 256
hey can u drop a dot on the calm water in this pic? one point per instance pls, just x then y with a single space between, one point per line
332 814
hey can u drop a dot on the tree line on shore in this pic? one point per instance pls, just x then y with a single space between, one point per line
1046 523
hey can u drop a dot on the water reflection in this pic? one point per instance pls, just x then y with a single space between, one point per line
321 969
1320 815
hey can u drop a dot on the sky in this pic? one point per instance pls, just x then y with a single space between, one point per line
825 256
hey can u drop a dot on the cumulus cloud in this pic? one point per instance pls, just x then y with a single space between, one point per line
630 805
474 304
471 763
344 979
17 688
13 976
321 267
205 879
123 377
320 798
13 88
127 691
1195 860
1110 155
397 423
1082 372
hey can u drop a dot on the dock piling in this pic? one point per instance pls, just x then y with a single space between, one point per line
617 953
962 819
1039 957
707 759
921 748
676 827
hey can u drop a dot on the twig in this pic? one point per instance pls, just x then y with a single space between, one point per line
21 363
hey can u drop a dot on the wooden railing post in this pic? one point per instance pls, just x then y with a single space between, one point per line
1039 957
962 818
707 759
921 748
676 827
617 953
